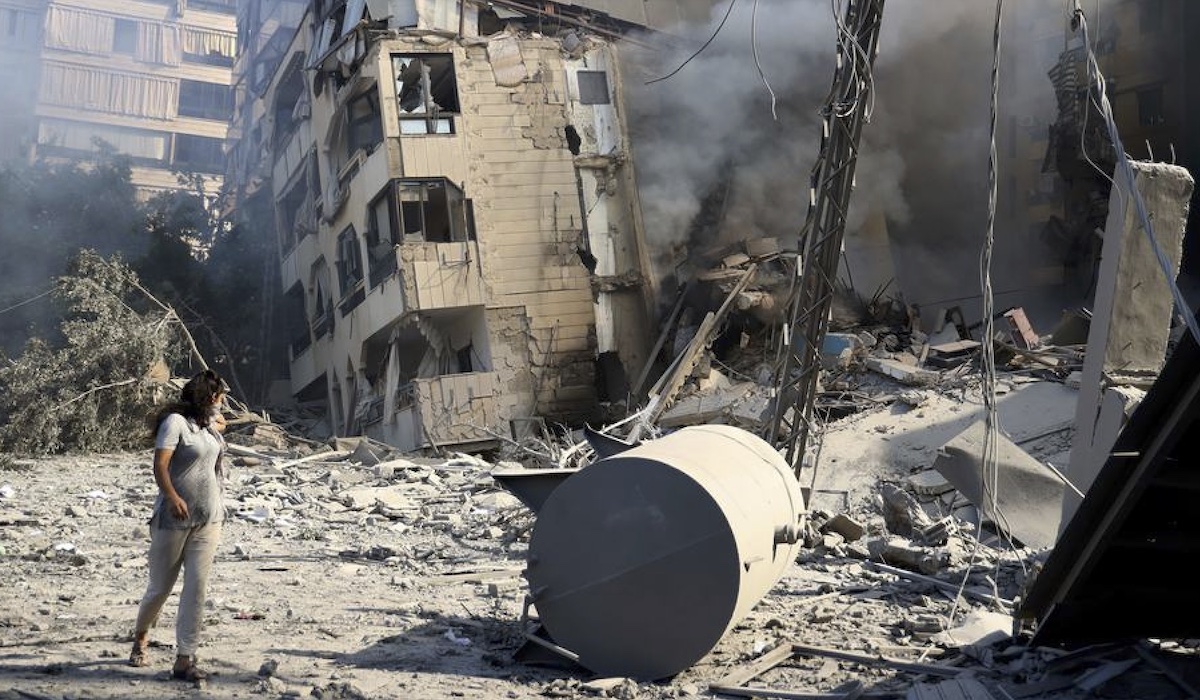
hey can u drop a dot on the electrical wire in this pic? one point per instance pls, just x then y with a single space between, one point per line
1129 178
27 301
989 475
757 62
717 31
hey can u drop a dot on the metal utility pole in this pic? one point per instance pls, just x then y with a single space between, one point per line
847 109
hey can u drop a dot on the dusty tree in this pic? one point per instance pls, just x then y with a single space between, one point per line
90 389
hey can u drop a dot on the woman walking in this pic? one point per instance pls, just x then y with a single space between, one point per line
185 527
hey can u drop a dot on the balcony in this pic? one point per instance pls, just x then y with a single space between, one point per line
450 410
440 275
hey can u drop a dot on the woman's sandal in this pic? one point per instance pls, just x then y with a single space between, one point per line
137 657
190 673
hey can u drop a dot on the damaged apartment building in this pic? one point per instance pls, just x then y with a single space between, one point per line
456 214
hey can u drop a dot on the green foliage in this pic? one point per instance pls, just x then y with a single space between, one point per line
91 392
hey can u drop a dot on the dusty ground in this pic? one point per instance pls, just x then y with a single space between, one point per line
321 590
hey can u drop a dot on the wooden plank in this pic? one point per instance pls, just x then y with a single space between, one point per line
662 337
850 694
938 583
762 664
873 660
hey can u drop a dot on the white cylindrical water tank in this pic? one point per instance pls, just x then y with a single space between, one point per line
641 562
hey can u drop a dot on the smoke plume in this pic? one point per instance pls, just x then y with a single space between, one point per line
709 129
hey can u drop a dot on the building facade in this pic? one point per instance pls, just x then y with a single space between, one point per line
150 78
456 216
20 49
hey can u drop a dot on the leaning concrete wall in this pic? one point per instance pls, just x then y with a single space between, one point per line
1131 316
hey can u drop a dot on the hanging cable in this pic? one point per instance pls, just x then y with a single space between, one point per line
716 31
757 62
27 301
989 474
1125 170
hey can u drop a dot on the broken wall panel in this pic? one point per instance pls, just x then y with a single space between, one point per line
1131 318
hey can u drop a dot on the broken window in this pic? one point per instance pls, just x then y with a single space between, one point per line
321 317
349 262
296 210
381 238
295 321
364 125
1150 106
432 211
421 211
593 87
426 93
125 36
205 100
291 103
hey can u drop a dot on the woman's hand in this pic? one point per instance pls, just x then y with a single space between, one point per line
178 508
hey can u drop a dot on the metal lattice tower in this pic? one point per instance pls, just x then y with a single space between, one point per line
846 110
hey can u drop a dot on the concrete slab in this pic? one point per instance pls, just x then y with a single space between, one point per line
1029 495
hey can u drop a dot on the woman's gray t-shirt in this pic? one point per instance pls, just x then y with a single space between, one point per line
193 472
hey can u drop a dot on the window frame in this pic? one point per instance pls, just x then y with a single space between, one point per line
439 121
218 109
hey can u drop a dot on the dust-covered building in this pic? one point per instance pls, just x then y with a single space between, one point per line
150 79
456 215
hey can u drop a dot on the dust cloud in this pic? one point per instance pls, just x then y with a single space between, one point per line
707 134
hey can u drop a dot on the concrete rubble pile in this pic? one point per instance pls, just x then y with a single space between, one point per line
373 555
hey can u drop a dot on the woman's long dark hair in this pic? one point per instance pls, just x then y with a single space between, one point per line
195 399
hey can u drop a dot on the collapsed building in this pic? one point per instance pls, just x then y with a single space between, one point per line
456 213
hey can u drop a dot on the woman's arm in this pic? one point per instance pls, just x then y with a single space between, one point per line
162 476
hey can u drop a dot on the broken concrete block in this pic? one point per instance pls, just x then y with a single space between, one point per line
980 628
928 483
902 372
902 553
832 540
1021 331
901 513
1030 494
844 526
